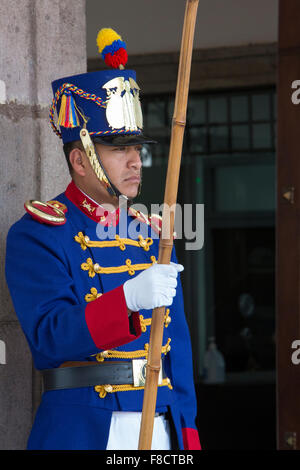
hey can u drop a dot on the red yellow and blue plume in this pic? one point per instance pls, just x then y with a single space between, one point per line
112 48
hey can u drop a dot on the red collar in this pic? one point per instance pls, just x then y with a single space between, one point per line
90 207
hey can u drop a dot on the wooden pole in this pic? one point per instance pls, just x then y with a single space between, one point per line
168 215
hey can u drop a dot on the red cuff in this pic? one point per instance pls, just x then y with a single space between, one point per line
108 322
191 439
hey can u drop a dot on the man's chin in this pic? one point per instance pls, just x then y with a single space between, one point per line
131 193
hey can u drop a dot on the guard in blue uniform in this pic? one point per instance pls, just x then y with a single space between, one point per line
87 278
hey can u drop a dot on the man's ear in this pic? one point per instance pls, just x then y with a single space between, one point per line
77 161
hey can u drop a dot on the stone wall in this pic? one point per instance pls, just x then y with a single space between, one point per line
39 42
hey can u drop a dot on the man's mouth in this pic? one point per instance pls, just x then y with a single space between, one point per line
133 179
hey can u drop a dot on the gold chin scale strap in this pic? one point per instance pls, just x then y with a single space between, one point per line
95 161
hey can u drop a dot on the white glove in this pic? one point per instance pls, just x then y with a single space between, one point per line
154 287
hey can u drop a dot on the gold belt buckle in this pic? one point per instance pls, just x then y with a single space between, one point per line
139 372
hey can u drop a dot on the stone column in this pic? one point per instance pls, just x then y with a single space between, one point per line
39 42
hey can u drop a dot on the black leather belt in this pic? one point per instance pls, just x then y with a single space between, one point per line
113 373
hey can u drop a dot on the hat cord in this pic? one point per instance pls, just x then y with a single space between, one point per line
87 96
78 91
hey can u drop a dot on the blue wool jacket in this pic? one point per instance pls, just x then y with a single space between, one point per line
68 296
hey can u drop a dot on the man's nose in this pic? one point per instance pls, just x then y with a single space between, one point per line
134 158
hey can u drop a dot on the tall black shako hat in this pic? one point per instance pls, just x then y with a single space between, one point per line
106 102
103 106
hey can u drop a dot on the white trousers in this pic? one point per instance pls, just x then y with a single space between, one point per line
125 430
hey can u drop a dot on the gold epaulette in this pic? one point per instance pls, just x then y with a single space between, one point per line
154 220
51 212
139 215
156 223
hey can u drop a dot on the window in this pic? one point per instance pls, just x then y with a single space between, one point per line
228 163
230 122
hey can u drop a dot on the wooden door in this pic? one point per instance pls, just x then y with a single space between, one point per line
288 226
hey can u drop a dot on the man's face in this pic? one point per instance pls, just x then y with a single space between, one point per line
123 166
